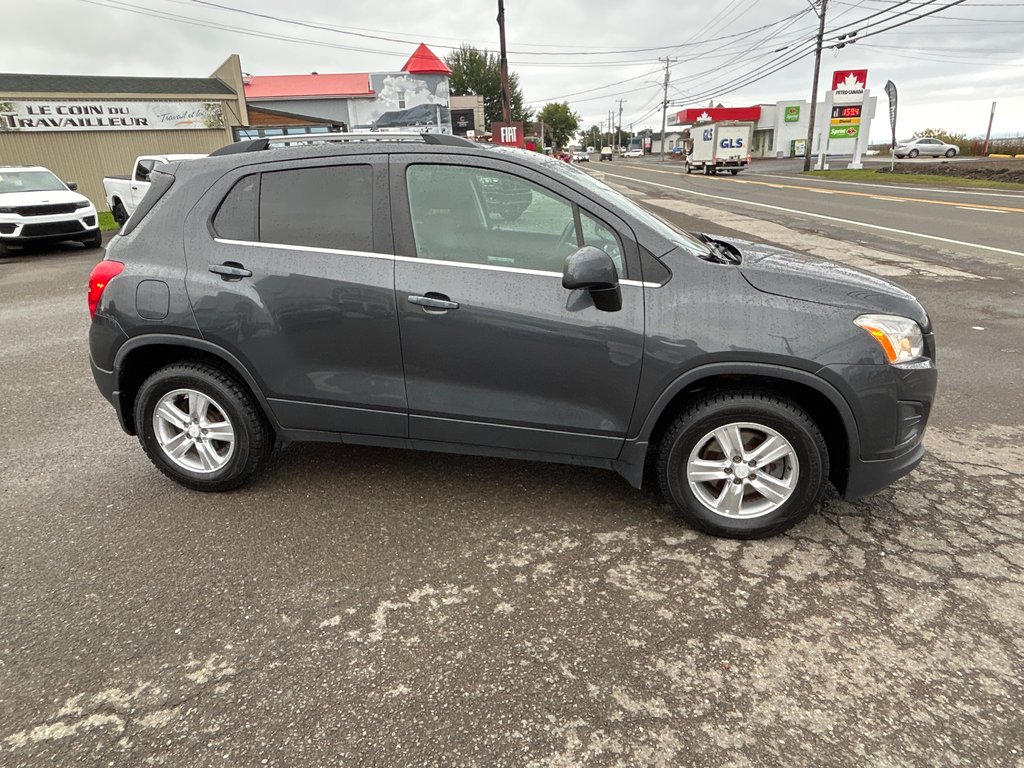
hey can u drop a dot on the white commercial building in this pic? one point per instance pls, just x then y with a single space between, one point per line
780 129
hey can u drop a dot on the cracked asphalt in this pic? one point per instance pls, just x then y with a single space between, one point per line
363 607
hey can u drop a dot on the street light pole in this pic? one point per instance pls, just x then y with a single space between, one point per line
988 133
506 96
618 131
814 88
664 107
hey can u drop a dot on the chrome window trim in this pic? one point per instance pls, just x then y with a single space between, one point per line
310 248
473 265
416 260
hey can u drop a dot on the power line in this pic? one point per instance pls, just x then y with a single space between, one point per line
407 41
767 69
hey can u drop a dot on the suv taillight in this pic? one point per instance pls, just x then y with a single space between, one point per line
100 276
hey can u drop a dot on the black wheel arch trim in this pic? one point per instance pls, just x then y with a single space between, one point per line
170 339
795 375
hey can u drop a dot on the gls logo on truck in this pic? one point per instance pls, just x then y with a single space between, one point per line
709 134
731 143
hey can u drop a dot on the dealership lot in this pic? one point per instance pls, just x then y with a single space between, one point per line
369 607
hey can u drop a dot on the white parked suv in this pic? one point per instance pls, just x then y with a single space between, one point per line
36 206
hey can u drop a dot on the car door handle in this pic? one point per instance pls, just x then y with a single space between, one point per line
434 301
230 270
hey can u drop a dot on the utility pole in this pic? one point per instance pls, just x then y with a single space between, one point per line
506 95
814 88
664 107
618 132
988 133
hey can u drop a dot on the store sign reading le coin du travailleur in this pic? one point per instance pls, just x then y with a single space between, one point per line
110 115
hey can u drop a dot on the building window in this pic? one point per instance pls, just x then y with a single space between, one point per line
401 99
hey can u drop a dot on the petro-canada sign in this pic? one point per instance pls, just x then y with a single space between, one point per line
67 116
848 85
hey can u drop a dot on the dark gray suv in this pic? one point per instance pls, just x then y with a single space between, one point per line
387 293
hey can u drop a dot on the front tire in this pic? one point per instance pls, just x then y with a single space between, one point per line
950 153
120 214
201 427
913 153
743 464
95 240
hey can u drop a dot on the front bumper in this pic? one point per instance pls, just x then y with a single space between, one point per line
79 225
867 477
891 405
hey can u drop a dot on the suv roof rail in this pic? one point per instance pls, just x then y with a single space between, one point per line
258 145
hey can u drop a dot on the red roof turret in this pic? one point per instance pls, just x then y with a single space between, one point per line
424 62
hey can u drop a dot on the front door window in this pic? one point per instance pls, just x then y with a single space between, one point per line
479 216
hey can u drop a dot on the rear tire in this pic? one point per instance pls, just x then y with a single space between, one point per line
182 410
734 171
713 492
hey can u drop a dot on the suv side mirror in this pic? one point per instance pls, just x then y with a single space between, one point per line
593 270
72 185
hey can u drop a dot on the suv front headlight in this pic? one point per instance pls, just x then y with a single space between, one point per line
899 337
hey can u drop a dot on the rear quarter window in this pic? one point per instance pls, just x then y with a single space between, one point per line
236 217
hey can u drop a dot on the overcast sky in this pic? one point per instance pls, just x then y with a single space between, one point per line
949 67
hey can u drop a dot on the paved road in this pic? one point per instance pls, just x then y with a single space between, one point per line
985 224
371 608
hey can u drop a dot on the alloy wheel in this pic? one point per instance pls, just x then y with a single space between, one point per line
193 431
742 470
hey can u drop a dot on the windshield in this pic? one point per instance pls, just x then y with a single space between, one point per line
29 181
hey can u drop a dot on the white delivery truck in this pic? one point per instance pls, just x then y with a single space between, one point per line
720 146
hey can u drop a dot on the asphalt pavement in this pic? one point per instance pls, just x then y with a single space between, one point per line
363 607
976 222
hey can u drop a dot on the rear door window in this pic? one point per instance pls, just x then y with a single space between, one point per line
327 207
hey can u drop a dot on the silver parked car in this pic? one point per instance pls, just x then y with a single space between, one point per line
925 145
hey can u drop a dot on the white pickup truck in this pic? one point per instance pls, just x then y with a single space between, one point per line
124 193
721 146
